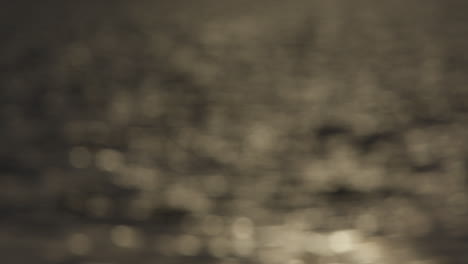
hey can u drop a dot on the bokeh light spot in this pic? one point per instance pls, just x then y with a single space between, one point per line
125 237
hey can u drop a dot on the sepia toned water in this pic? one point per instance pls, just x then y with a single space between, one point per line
269 132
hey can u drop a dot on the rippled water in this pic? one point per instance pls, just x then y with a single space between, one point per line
255 132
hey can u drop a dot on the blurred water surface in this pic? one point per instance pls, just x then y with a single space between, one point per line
233 132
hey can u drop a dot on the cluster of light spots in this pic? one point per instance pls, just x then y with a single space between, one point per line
284 243
285 240
79 244
109 160
226 42
125 237
80 157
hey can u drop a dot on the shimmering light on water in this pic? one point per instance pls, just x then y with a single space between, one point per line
278 135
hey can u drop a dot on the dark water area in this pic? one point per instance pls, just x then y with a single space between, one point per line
294 132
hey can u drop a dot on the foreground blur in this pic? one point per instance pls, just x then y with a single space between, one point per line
325 132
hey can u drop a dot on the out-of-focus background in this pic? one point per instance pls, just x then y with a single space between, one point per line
270 132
